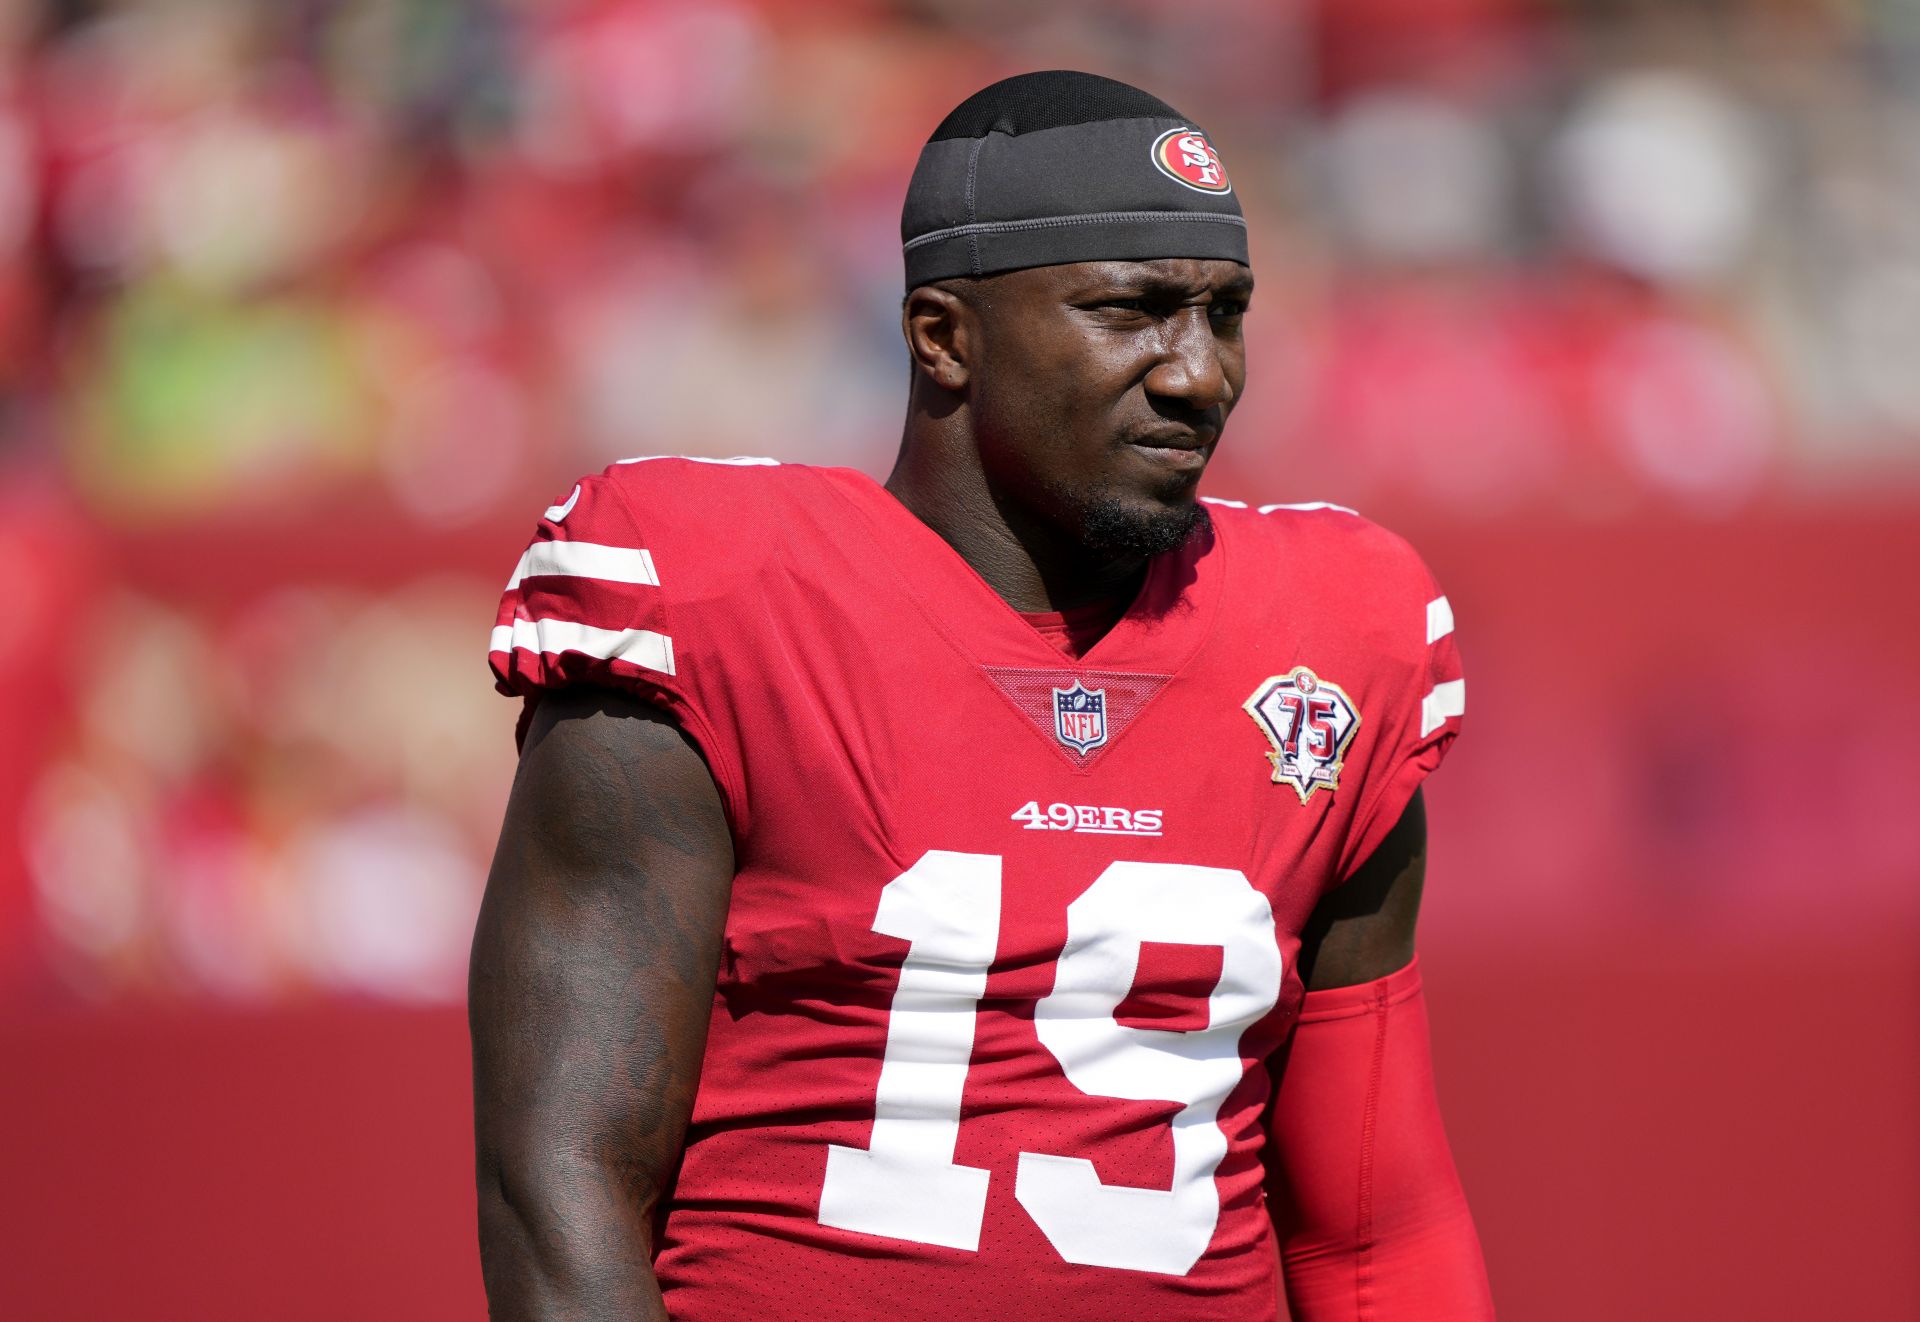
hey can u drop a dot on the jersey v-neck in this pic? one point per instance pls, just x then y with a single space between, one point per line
1075 631
1158 632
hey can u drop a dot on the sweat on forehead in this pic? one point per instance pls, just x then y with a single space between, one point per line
1055 167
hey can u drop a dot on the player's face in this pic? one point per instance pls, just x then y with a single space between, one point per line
1101 389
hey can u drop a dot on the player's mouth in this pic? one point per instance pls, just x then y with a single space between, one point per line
1185 451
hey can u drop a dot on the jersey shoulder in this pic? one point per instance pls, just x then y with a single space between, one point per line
1368 639
634 559
1356 575
715 529
731 507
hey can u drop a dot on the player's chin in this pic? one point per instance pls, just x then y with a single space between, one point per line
1140 524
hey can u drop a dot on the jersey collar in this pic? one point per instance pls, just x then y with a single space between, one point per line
1171 616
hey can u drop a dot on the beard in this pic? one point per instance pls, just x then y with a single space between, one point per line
1113 526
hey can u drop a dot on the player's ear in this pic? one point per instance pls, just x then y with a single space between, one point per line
942 330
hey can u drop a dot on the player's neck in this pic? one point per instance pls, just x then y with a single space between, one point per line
1031 565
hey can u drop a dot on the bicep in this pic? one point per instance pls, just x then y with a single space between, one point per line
1364 928
594 960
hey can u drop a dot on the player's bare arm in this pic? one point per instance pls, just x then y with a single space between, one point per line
1367 1207
1364 929
591 986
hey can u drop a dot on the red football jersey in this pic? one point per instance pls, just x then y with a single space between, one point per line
1012 934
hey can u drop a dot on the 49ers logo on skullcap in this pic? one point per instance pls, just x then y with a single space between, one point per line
1186 157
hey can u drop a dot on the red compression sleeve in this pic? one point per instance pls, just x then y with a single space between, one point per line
1372 1223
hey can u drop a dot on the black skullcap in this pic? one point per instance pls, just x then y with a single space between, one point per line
1064 166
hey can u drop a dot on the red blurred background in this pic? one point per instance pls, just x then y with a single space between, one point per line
306 309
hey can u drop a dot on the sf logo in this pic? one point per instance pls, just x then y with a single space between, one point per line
1185 156
1198 156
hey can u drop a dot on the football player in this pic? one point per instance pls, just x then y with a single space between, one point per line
988 894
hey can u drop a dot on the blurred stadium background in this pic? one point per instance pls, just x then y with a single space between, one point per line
308 306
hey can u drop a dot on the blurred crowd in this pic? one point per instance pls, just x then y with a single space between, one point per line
308 306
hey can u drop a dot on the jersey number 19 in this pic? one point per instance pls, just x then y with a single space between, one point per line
905 1183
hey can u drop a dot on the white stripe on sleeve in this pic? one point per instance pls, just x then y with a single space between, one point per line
1448 699
1439 620
642 647
612 564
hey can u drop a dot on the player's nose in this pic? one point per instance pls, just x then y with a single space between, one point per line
1191 368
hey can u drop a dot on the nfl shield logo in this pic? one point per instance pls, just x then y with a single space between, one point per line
1080 717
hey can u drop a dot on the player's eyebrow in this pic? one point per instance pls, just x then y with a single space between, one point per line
1160 286
1240 285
